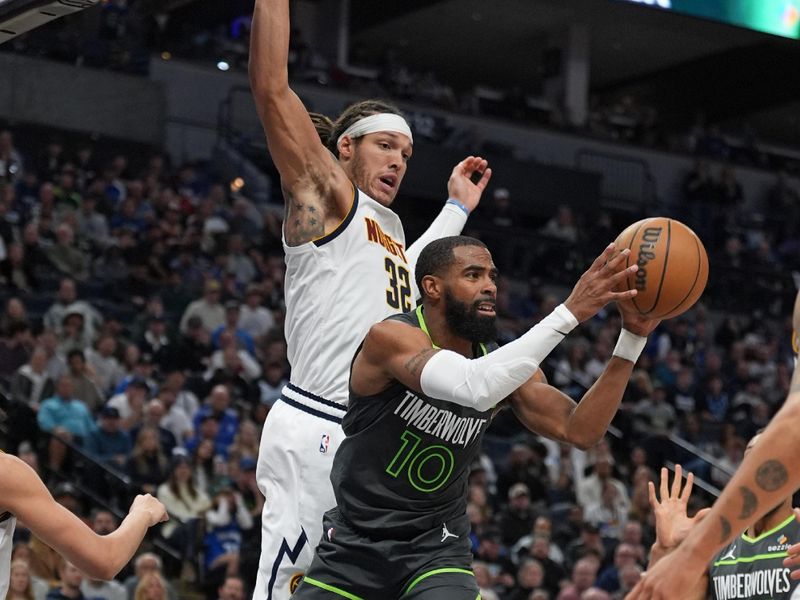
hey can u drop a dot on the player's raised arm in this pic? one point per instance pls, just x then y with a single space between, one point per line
100 557
306 167
548 411
465 186
480 383
768 474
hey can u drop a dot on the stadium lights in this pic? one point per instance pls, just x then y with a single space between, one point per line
237 184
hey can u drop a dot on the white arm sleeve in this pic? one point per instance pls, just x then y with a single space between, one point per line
481 383
450 221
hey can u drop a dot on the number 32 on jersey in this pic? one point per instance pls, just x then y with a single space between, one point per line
398 294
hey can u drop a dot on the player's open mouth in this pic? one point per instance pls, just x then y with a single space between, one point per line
388 182
487 308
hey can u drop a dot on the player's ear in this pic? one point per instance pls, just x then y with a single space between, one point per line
432 287
346 147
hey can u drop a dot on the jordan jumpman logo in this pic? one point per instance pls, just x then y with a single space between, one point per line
446 534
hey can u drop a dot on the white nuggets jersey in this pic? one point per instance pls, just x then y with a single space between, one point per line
7 523
336 288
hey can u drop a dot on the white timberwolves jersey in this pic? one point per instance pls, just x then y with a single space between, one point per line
6 534
336 288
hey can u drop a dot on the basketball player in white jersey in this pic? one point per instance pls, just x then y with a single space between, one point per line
23 496
348 267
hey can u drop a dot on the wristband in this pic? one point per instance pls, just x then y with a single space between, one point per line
459 204
629 346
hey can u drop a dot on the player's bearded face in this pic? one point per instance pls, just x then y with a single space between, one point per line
466 321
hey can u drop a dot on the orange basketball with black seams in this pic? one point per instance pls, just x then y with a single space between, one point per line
673 267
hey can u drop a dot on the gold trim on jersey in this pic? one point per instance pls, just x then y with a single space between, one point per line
324 239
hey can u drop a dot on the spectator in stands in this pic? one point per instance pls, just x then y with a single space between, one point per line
67 299
16 270
483 577
629 576
590 490
186 505
609 579
525 465
146 564
583 576
246 441
66 257
271 383
226 519
218 406
175 418
233 367
56 365
30 386
562 226
516 518
70 583
83 385
588 544
554 573
208 308
147 466
233 589
21 586
153 414
103 363
66 418
530 577
156 341
492 552
194 347
571 375
109 443
244 341
103 522
130 403
15 347
239 264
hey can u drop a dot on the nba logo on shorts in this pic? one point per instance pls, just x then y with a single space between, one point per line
323 443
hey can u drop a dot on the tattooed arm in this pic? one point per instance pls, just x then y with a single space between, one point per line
308 170
768 474
392 351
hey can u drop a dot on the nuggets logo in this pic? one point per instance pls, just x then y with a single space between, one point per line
323 443
294 582
376 235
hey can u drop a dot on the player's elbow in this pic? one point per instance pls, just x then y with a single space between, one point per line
583 439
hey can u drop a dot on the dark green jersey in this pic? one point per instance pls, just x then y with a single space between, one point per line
403 467
752 568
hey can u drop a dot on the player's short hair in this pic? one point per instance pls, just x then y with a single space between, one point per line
329 131
438 256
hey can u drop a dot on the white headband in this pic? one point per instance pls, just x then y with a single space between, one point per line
376 123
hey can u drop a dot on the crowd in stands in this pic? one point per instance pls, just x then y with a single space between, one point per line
142 348
125 35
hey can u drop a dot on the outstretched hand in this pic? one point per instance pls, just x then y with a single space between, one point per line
460 185
672 522
596 286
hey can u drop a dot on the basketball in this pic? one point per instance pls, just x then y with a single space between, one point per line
673 267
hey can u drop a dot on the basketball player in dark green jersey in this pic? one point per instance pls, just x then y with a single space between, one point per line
751 567
423 389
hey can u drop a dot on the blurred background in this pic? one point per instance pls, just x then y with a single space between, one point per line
141 268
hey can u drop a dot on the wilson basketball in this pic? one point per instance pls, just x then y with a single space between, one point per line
673 266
